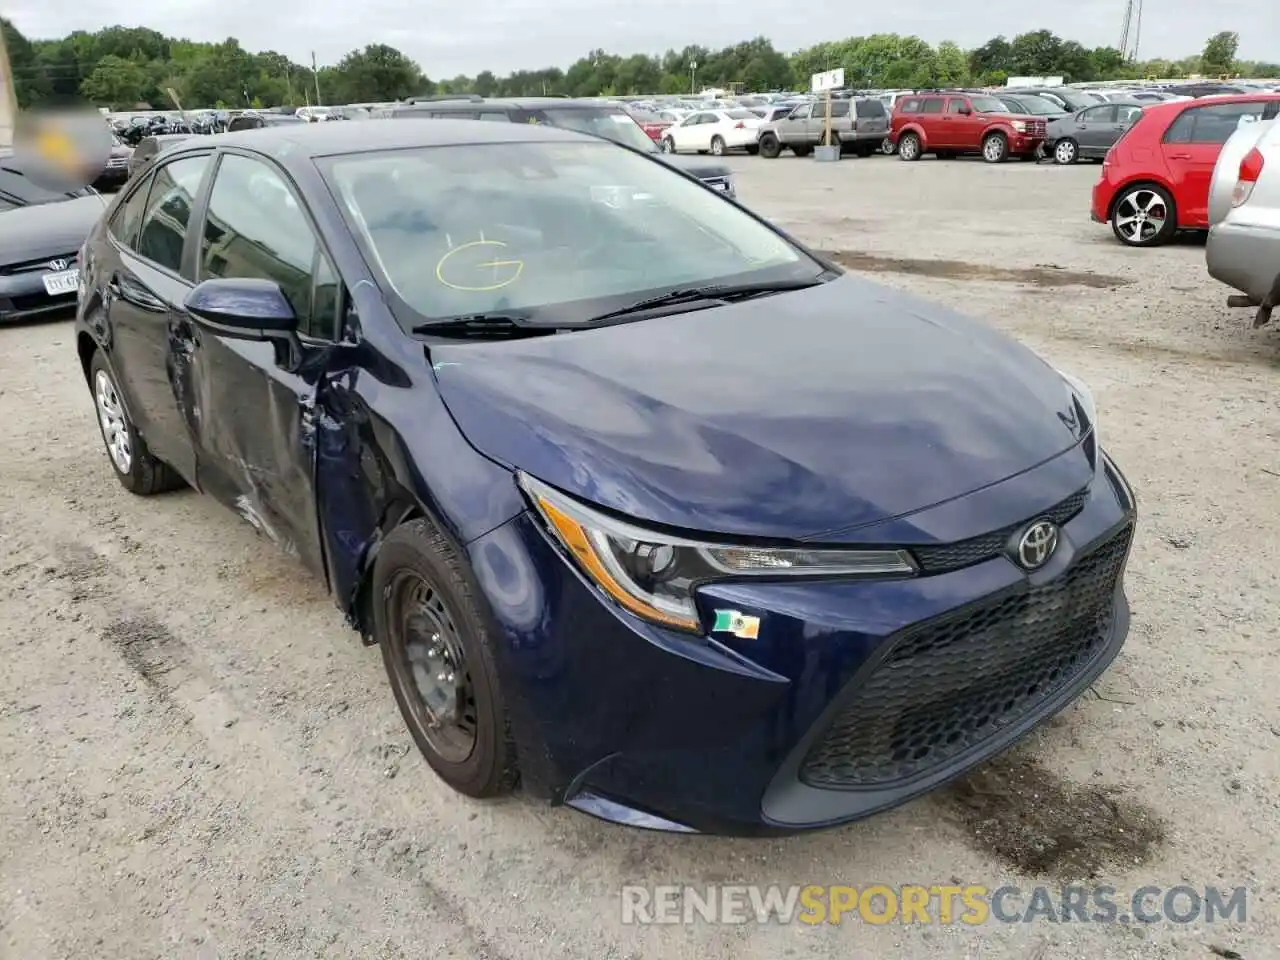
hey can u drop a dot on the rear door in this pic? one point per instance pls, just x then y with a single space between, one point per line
1191 146
934 122
253 419
145 287
872 120
1095 129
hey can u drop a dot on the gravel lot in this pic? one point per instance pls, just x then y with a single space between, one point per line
198 759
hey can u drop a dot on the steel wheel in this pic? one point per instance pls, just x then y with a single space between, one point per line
1143 216
887 147
994 148
718 148
909 147
1066 151
668 145
115 426
435 679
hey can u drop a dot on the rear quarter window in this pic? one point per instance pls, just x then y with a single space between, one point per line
911 105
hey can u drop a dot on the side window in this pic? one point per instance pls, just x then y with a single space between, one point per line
255 227
1213 123
164 223
1180 130
932 105
499 115
955 105
911 106
1128 113
1103 114
801 112
128 216
839 108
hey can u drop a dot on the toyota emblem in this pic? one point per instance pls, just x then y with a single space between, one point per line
57 266
1037 544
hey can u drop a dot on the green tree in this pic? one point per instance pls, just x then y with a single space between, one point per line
30 78
115 82
952 65
1219 55
378 72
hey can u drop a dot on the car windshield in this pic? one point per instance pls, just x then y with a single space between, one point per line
17 191
1035 106
615 125
1077 100
557 232
987 105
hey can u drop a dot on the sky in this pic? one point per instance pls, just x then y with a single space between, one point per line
507 35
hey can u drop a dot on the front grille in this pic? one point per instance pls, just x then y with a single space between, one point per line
946 557
39 265
1037 128
954 682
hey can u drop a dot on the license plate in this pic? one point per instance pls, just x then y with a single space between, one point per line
67 281
721 185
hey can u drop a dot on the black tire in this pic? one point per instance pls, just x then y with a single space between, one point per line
909 147
668 145
995 148
138 471
443 596
865 149
752 149
1066 151
802 150
1140 199
718 147
769 146
888 147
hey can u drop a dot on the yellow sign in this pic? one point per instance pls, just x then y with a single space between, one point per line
463 267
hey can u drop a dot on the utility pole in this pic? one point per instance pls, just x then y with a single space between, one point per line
693 77
316 73
288 84
8 97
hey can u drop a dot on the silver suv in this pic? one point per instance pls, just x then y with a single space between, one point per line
857 125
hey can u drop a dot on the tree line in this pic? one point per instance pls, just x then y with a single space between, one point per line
128 67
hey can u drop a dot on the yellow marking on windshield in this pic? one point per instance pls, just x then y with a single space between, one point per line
516 267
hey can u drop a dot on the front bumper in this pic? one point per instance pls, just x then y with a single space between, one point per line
855 697
23 297
1246 257
1024 143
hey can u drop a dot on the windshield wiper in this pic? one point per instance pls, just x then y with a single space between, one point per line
715 293
484 326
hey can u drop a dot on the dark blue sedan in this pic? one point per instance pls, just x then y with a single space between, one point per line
648 507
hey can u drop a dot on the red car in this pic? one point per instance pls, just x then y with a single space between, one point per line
1155 179
948 123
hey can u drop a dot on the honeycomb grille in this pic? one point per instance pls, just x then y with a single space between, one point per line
954 682
965 553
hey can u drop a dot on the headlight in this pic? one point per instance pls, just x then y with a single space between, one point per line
1084 396
654 575
1019 125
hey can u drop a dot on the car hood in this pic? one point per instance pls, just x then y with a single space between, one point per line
47 229
797 415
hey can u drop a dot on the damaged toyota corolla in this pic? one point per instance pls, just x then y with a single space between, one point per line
649 508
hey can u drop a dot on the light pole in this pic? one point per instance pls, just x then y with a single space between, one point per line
693 77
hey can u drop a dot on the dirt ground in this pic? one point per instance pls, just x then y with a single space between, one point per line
199 760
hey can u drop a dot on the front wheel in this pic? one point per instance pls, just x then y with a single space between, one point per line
995 148
437 647
137 470
1066 152
1144 216
888 147
770 147
668 145
909 147
718 148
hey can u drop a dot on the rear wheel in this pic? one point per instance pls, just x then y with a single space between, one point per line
909 147
1066 151
718 147
802 150
752 149
668 145
769 146
437 647
995 148
1144 216
888 147
138 471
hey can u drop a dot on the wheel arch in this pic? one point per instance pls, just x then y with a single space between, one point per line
916 129
1145 180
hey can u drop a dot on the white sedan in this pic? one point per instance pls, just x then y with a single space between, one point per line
714 131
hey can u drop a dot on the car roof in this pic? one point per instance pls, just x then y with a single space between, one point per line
364 136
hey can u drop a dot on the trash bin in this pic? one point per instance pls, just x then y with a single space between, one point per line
827 154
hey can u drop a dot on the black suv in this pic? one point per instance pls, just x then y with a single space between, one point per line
602 119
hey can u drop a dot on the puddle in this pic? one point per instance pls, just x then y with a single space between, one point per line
1043 825
1042 275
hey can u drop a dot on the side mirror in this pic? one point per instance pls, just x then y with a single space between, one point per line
242 307
965 111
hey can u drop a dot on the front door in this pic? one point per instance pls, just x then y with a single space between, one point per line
1095 130
145 283
252 411
1191 147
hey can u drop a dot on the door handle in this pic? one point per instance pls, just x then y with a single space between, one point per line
1179 156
